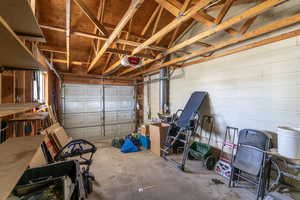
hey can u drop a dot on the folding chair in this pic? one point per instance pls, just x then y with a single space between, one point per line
250 161
183 127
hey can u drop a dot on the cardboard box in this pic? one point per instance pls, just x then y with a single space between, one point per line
158 133
145 130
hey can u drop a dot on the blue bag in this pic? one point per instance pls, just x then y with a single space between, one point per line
128 147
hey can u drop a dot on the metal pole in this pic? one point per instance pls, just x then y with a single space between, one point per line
103 108
163 89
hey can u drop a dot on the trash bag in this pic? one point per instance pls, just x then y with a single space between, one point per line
128 147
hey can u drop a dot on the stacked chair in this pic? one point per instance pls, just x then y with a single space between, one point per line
250 162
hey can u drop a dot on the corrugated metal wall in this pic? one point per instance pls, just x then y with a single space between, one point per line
97 110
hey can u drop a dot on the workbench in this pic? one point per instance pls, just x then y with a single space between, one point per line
16 155
11 109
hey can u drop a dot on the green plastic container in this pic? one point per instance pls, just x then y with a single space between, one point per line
200 151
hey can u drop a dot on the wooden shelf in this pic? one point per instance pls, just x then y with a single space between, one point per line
11 109
20 17
13 52
16 155
32 116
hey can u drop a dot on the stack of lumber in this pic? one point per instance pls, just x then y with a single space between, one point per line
56 138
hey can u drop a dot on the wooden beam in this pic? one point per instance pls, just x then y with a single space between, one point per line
90 15
68 32
73 62
187 15
150 20
224 11
33 6
255 33
95 36
273 39
175 32
95 76
97 81
95 31
256 10
202 17
135 4
247 25
109 50
157 20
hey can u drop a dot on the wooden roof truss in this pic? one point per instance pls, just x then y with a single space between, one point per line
119 40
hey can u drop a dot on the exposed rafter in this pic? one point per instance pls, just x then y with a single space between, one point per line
252 12
90 15
200 17
246 47
224 11
175 32
55 60
68 32
95 36
257 32
109 50
176 22
135 4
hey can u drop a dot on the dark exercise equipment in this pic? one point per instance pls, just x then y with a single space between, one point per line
79 148
182 128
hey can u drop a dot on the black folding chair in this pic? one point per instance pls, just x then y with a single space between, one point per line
183 127
250 161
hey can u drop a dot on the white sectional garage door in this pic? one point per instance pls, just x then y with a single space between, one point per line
96 110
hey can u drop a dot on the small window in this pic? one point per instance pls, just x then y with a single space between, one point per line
39 87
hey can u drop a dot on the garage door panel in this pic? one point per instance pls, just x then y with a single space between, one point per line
83 110
82 119
77 133
126 129
125 116
82 106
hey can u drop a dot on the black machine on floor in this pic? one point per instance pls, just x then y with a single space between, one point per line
73 163
37 182
250 162
182 128
78 148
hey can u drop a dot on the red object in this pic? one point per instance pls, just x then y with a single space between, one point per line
134 60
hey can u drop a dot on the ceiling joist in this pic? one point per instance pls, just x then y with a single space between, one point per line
168 28
93 18
257 32
95 36
135 4
252 12
68 32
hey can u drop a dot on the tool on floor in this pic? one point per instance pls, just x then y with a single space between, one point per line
284 169
223 166
250 161
182 128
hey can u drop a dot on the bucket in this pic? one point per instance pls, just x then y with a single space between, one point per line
289 142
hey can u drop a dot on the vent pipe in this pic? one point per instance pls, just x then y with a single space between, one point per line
164 89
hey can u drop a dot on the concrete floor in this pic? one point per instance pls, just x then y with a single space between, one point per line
144 176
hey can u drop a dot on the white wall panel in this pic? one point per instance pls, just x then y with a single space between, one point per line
258 88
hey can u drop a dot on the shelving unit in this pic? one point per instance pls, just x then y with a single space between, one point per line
13 52
20 17
11 109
